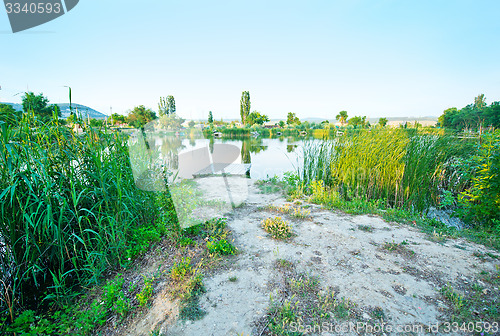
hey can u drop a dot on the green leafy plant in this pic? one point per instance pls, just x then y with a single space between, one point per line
221 246
146 292
181 269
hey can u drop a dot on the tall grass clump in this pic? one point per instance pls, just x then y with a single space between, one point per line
69 209
404 167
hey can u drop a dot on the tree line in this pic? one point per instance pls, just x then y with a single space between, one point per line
473 116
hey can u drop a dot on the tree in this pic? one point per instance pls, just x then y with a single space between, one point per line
96 122
382 122
480 102
256 118
140 116
118 119
292 119
357 121
191 123
8 115
342 117
71 119
449 117
171 121
473 115
210 118
281 124
39 105
166 106
244 106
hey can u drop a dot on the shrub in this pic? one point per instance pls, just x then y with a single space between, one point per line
481 202
277 227
221 246
146 292
181 269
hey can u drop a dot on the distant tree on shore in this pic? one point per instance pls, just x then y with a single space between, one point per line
166 106
244 106
357 121
171 121
210 118
342 117
140 116
382 121
475 115
40 106
257 118
118 119
292 119
9 115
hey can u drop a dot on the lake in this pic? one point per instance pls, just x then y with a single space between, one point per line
268 156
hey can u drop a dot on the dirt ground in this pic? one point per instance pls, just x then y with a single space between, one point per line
364 259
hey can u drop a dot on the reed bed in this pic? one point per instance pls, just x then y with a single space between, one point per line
69 210
404 167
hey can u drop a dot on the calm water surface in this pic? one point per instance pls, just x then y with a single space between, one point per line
268 156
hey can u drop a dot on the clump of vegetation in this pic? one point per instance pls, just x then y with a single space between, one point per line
399 248
289 184
116 299
277 228
403 167
366 228
181 269
288 209
221 246
188 287
146 292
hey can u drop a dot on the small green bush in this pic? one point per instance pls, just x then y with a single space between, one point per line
221 246
146 292
277 227
181 269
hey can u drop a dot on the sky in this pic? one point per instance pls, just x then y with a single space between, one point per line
379 58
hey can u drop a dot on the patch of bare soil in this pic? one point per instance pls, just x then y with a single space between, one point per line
387 272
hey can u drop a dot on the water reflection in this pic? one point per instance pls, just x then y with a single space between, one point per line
267 156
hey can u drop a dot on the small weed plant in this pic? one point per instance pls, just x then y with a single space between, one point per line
146 292
277 228
221 246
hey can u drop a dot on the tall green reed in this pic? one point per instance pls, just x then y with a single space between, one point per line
68 209
404 167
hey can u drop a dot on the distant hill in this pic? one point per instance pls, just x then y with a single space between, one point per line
81 109
17 107
65 111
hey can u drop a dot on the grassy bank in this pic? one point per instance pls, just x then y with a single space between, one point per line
69 211
229 132
401 173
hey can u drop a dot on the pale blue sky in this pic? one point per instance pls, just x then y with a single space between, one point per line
315 58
